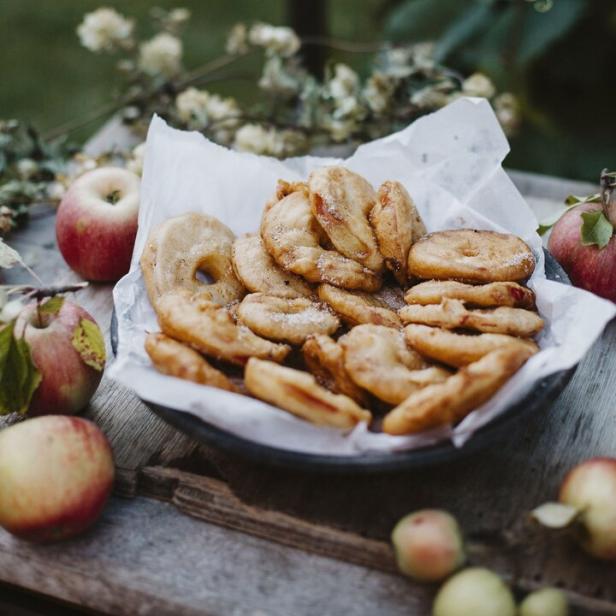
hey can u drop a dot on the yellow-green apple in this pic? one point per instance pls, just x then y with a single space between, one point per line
67 348
589 267
545 602
428 545
56 473
97 223
590 488
475 591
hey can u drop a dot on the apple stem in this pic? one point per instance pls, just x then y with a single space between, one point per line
38 313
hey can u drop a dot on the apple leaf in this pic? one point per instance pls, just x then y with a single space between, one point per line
52 306
555 515
596 229
19 377
574 199
88 341
8 256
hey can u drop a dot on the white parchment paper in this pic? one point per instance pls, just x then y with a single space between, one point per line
450 162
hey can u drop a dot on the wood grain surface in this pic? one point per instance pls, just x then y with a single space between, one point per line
311 543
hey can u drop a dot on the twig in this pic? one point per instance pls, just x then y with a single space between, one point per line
39 293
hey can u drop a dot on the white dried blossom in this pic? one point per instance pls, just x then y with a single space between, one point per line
340 129
430 98
252 138
423 56
237 41
135 162
378 91
220 108
26 168
348 107
268 141
199 108
82 163
161 55
276 79
343 83
179 15
478 85
507 111
275 39
104 30
398 62
55 191
191 106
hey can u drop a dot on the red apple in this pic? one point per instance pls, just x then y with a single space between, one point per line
56 473
97 223
67 348
428 545
589 267
590 488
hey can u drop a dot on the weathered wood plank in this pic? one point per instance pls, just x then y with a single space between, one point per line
145 558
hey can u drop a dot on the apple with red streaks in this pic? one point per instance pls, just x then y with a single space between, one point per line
96 223
589 267
67 349
428 545
56 473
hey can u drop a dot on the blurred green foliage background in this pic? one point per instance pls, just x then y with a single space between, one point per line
560 62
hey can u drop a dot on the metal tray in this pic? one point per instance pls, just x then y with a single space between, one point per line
537 400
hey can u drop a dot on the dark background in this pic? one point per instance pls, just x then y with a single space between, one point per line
560 63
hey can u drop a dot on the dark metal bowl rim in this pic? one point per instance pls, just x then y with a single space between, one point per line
546 392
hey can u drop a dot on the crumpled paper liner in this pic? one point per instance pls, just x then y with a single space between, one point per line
449 161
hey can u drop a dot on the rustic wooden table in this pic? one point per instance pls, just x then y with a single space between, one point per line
261 540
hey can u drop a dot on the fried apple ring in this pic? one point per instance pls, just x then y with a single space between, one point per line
147 263
210 329
176 359
259 273
449 402
298 392
396 224
459 349
472 256
377 359
184 246
291 235
489 295
286 320
357 307
324 357
452 314
341 201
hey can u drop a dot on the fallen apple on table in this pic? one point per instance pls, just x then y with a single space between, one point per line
584 243
54 355
56 473
96 223
428 545
587 506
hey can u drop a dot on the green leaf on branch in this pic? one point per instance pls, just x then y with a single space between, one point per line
596 229
19 377
88 341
